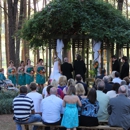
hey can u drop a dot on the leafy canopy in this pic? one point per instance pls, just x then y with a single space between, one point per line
96 19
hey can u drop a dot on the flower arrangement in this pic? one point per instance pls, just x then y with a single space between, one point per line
42 72
32 72
22 70
13 71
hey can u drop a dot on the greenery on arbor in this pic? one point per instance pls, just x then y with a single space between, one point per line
92 18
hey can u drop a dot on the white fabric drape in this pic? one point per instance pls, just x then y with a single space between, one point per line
59 47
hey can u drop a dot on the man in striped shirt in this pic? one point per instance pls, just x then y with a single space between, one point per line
23 108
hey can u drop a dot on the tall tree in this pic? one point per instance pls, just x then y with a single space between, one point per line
120 4
12 11
6 33
20 21
0 36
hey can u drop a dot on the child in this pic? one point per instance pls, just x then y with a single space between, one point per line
70 117
2 77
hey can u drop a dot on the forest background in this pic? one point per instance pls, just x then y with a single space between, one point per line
13 13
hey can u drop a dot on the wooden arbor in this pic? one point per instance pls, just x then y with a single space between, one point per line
83 46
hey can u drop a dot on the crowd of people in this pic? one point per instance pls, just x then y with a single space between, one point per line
70 102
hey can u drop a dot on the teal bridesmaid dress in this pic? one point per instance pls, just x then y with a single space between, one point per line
11 76
21 77
29 78
40 79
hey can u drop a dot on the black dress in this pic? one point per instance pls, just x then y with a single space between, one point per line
124 70
116 66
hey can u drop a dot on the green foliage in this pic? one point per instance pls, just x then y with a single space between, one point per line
6 100
94 18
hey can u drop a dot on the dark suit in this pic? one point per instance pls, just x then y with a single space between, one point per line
124 70
119 110
67 70
116 66
79 68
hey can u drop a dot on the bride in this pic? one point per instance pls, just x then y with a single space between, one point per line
56 72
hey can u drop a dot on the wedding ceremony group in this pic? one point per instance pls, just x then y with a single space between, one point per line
67 99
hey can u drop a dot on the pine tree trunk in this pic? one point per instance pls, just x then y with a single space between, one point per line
120 4
127 9
6 34
0 36
12 11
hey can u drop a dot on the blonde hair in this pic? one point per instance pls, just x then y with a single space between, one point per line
71 82
62 81
79 89
54 83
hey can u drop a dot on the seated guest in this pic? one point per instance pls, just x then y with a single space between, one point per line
35 96
103 100
62 82
80 91
52 109
79 80
60 93
127 80
70 82
117 78
89 109
119 110
48 90
113 93
96 83
23 108
108 85
2 77
103 73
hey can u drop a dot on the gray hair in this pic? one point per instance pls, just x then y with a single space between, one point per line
123 82
54 83
101 85
53 90
106 79
122 89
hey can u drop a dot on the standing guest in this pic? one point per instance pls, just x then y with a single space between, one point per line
114 92
11 72
117 78
103 73
29 71
79 80
23 108
21 74
40 70
125 68
115 64
52 109
70 82
119 110
89 109
79 67
66 68
35 96
2 76
103 100
70 117
62 82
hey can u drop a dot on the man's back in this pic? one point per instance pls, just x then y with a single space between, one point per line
51 108
119 110
103 100
37 98
66 69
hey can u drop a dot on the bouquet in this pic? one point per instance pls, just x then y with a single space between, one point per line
42 72
32 72
22 70
13 71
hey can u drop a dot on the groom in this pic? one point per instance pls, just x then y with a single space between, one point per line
66 68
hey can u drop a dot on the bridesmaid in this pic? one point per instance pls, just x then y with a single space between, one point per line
29 71
21 74
40 70
11 72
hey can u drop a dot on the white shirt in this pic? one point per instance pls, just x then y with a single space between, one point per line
37 98
116 80
44 91
111 94
51 107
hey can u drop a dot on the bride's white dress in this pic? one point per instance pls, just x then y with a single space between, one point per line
55 74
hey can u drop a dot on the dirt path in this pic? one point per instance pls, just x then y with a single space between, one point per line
6 122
